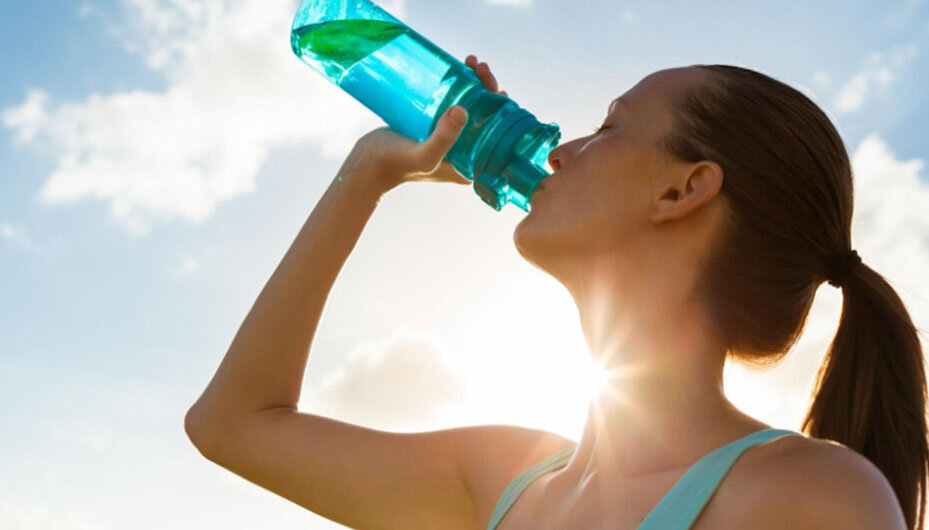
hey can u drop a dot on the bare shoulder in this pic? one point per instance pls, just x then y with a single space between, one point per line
490 456
813 483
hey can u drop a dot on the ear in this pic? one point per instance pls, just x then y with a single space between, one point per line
695 185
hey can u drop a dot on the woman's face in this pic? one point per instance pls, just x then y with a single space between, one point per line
604 185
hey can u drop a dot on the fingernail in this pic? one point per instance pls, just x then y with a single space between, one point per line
458 115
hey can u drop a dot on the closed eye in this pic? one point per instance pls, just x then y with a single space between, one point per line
598 130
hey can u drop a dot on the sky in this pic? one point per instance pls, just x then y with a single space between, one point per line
157 157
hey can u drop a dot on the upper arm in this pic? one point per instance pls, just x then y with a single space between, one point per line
353 475
827 485
367 478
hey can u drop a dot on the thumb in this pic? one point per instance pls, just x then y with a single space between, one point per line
446 132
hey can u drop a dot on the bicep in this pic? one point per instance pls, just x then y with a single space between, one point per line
353 475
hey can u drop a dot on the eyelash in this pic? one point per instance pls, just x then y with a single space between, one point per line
598 130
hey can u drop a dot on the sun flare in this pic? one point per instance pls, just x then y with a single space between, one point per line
593 380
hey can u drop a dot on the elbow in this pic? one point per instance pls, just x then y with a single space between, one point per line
200 431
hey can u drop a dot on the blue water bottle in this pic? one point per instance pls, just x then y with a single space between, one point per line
410 82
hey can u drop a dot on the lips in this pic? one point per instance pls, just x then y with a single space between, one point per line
537 193
544 183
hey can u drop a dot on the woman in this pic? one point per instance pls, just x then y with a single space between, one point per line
697 222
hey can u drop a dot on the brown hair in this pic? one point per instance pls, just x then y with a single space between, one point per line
788 197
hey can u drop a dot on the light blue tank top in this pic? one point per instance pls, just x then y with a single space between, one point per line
679 508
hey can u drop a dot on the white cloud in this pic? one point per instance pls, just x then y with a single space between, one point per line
32 515
901 55
188 266
821 80
878 70
17 234
187 263
853 93
403 382
890 225
28 118
234 92
7 231
513 3
86 10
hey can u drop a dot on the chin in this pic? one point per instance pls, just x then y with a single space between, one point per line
524 238
533 240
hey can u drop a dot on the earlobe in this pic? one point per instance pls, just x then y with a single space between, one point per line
696 187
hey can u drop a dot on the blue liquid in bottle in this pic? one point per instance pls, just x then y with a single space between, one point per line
410 82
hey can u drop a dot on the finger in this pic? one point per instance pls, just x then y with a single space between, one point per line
482 69
434 149
483 72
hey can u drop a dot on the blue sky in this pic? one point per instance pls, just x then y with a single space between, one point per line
158 156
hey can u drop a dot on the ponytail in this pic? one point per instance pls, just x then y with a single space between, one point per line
871 389
788 194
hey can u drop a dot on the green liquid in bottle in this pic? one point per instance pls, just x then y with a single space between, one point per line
342 43
391 69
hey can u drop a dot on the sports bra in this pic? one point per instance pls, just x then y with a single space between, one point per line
679 508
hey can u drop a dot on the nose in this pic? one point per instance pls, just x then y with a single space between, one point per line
561 155
554 158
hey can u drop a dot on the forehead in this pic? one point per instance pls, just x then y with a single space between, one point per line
655 90
644 109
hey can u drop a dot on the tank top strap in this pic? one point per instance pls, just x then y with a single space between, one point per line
522 481
679 508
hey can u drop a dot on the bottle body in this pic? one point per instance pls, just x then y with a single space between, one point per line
409 82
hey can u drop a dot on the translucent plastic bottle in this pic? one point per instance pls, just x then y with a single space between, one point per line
410 82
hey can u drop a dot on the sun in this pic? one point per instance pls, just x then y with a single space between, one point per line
592 380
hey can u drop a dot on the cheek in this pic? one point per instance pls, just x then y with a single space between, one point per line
581 217
612 205
624 178
595 206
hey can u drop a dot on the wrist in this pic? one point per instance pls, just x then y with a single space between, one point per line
365 184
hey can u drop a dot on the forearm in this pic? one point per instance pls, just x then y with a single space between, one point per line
265 364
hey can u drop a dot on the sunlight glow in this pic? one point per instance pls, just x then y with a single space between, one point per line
593 380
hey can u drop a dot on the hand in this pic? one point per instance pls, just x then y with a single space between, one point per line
392 159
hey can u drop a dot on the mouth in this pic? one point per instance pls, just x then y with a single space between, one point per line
539 191
544 182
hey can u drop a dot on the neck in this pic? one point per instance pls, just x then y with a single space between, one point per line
663 405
